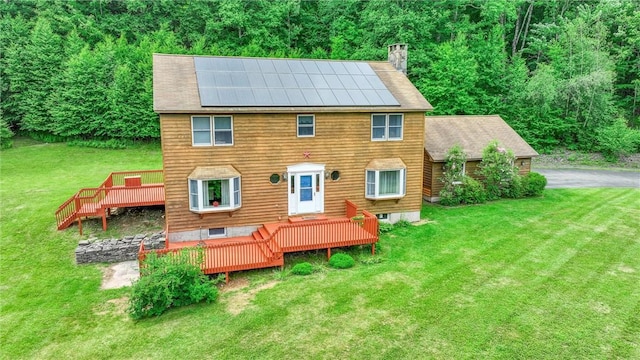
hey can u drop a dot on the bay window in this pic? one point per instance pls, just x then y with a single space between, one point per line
385 179
214 189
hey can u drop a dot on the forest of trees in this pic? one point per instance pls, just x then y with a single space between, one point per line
563 73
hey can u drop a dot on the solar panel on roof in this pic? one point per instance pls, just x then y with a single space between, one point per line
288 82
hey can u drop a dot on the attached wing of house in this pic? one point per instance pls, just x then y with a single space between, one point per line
473 134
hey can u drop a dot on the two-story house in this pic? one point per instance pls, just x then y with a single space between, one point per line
249 141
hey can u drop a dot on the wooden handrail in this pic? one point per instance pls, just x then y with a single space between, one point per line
67 213
241 254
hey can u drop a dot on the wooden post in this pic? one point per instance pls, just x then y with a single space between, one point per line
373 248
80 224
104 220
226 277
328 254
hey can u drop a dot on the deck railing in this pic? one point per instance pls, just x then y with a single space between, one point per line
336 232
224 257
234 255
85 202
148 177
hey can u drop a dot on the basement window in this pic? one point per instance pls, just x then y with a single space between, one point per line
217 232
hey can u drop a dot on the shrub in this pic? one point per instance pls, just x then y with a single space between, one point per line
470 191
497 170
402 224
6 135
303 268
384 227
169 281
533 184
617 139
341 261
515 188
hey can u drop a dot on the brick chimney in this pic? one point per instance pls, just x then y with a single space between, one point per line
398 57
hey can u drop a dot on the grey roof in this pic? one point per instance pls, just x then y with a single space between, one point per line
225 81
473 134
175 89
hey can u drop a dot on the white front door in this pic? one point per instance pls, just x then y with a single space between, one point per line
306 189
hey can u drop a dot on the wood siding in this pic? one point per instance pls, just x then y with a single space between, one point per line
433 184
265 144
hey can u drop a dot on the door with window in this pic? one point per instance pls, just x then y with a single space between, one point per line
306 189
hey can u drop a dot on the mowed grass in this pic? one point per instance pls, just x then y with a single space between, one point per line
551 277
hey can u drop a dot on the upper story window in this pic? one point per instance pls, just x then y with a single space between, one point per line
306 126
386 127
212 130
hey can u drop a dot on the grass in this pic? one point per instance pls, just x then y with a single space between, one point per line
552 277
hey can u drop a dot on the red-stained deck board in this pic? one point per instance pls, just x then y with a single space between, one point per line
120 189
266 246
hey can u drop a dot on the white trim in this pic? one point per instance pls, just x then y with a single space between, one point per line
387 126
376 183
305 167
464 172
294 172
193 138
224 233
212 130
312 126
200 207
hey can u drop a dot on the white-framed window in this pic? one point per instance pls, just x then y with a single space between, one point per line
214 195
217 232
212 130
201 130
306 126
385 184
459 174
386 127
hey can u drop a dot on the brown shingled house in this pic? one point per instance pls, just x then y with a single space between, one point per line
473 134
249 141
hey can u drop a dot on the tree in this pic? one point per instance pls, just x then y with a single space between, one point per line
451 82
31 73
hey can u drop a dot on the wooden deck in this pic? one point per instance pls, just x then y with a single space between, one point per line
119 190
267 246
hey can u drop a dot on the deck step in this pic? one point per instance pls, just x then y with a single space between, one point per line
257 235
264 233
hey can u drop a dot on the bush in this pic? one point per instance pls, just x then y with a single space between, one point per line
497 169
470 191
169 281
533 184
341 261
617 139
514 189
384 227
6 135
303 268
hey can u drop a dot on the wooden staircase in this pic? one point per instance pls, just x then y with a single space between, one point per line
266 246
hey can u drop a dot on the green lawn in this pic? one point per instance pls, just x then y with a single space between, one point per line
551 277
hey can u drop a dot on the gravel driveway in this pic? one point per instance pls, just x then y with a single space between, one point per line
577 178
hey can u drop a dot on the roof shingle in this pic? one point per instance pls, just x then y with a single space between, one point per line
473 134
